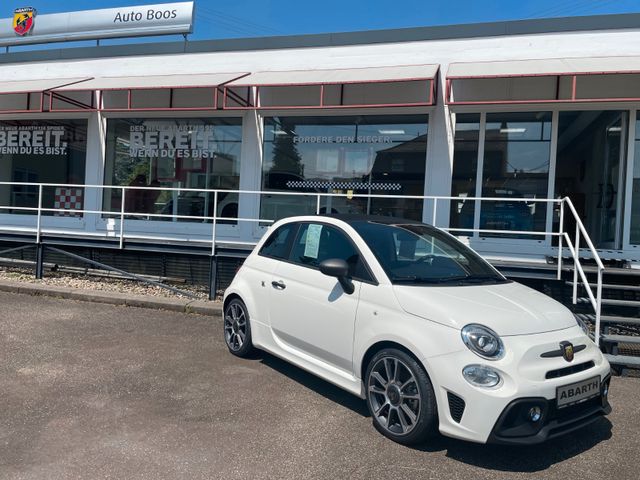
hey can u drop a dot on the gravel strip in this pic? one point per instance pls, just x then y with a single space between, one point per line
99 283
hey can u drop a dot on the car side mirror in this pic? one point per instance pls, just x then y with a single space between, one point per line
338 268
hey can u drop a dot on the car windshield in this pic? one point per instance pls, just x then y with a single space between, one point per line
418 254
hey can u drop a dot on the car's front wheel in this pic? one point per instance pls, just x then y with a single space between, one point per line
237 329
400 397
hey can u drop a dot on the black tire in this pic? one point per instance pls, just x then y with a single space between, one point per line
408 400
237 328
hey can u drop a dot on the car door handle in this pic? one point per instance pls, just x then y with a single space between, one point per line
278 285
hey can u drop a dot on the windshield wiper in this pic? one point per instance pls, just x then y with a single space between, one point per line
457 278
481 278
415 279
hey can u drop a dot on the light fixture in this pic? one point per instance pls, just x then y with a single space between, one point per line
513 130
482 341
280 132
614 129
391 132
535 414
481 376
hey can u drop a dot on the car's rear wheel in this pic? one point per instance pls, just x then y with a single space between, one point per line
237 329
400 397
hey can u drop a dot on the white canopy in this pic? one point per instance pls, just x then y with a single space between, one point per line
550 66
26 86
337 76
156 81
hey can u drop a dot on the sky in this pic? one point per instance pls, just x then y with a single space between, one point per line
216 19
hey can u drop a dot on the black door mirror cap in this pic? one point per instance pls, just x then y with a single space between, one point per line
334 267
338 268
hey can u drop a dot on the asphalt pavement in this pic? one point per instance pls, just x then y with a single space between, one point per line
99 391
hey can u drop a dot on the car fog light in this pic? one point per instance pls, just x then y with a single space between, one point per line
535 414
481 376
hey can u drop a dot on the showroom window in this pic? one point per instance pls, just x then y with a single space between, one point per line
635 185
43 151
380 155
465 169
516 165
191 153
512 152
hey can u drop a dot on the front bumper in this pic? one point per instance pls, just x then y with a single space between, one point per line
478 414
515 428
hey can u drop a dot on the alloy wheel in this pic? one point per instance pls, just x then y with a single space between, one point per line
394 396
235 326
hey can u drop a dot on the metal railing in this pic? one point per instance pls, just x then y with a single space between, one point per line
565 206
574 248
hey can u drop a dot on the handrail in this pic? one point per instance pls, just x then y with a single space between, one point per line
596 300
280 193
564 204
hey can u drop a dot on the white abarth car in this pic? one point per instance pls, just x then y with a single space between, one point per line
407 317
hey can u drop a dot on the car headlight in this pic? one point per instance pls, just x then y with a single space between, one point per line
583 326
483 341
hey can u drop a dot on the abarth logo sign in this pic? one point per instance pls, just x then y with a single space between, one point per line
23 20
567 351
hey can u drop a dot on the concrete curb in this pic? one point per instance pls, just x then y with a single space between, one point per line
181 305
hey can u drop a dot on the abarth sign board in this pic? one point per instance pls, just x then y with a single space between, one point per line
23 20
25 27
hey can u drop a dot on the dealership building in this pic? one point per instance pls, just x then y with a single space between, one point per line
228 135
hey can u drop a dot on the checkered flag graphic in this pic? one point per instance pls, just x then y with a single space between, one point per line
67 201
344 185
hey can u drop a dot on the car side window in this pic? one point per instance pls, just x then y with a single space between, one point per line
317 242
277 245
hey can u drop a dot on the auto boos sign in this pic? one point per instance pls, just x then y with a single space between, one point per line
162 19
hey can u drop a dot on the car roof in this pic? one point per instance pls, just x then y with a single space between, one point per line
386 220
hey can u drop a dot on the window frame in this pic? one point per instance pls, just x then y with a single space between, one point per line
383 117
295 226
298 225
139 117
480 241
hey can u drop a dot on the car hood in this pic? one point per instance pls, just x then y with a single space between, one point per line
506 308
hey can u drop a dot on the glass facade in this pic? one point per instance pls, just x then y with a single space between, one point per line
383 155
635 202
43 151
495 154
194 153
592 147
516 165
465 169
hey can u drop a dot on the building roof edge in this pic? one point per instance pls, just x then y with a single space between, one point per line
441 32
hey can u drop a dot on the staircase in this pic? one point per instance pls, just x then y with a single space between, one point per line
620 303
620 317
606 298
